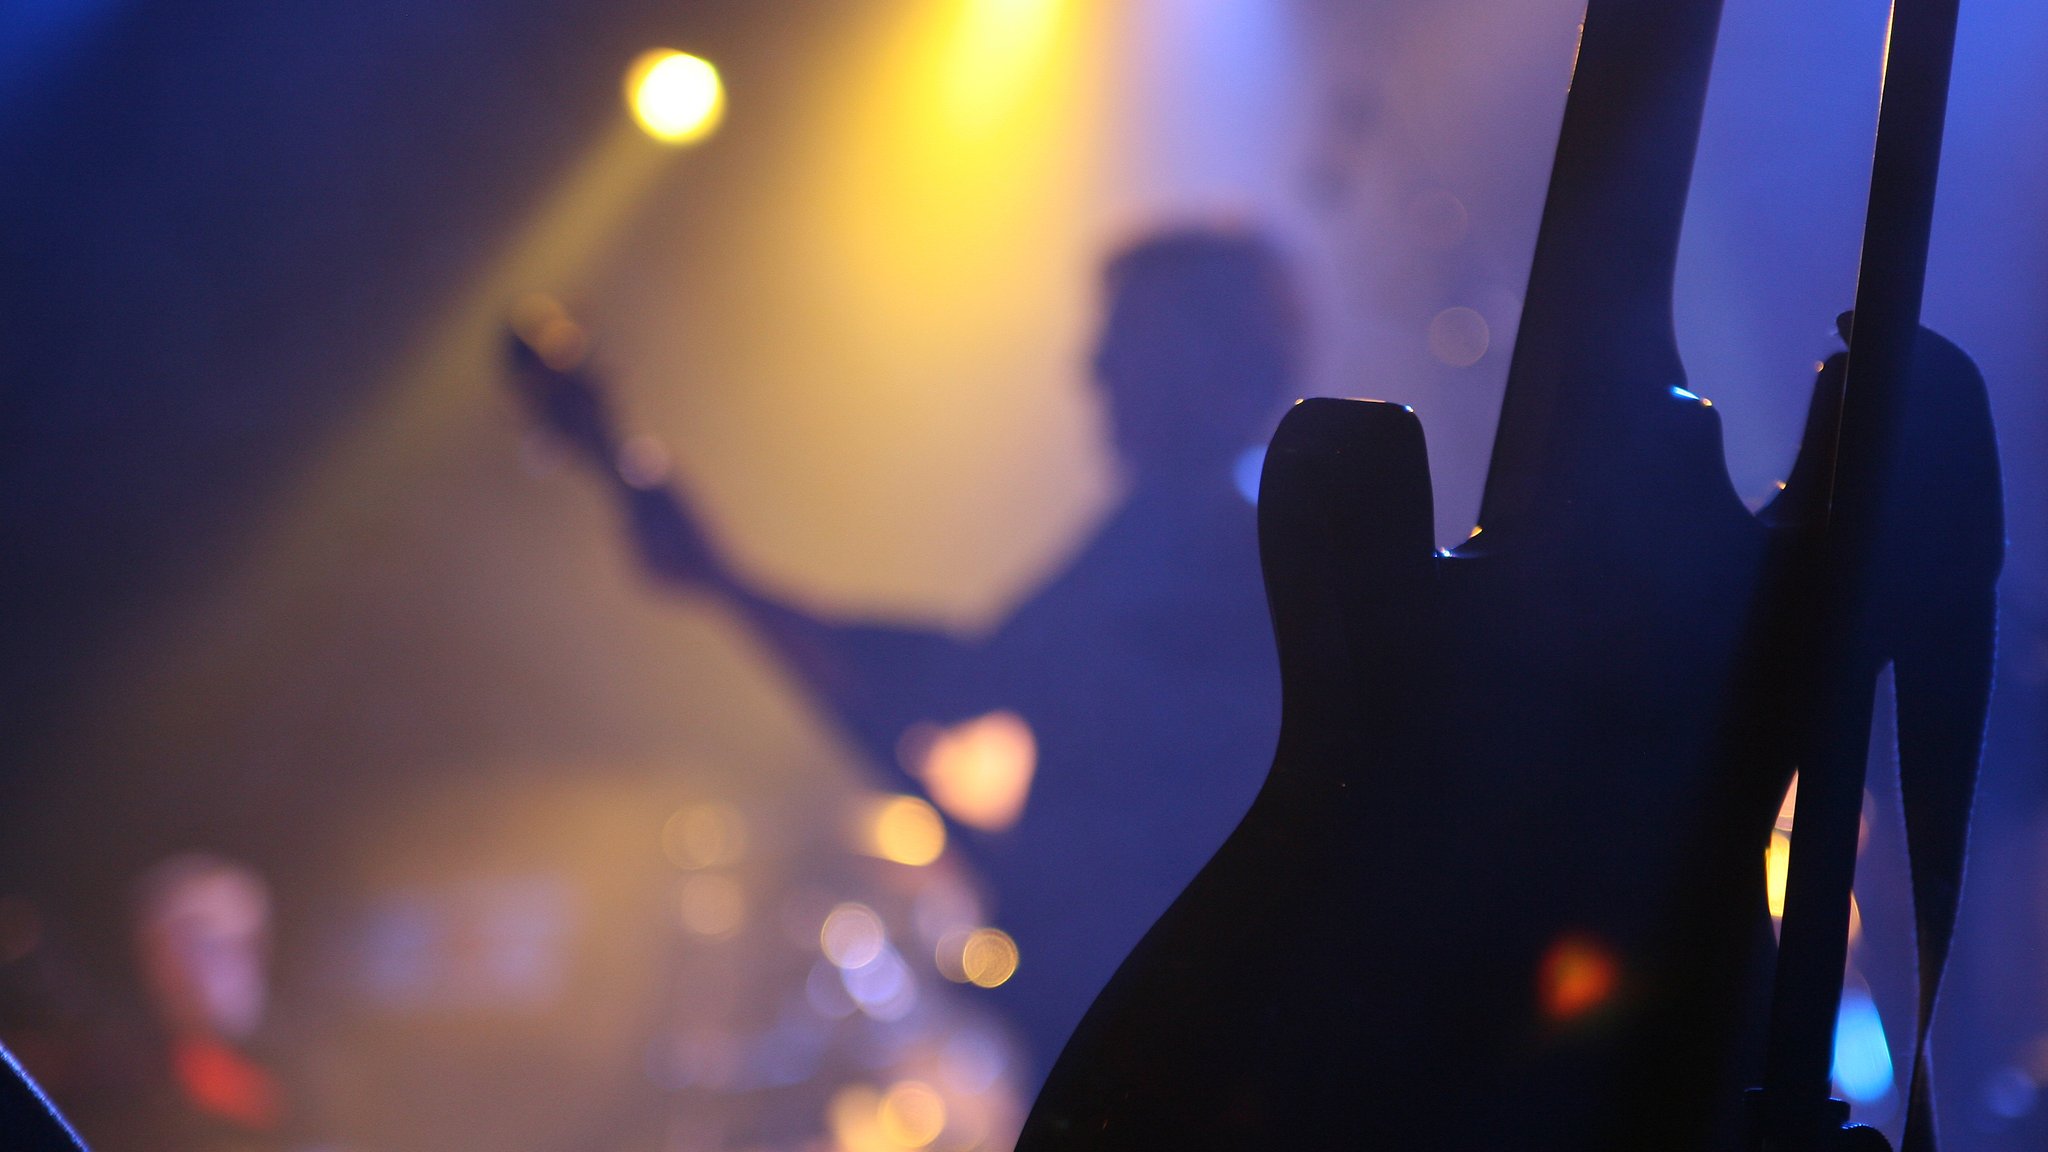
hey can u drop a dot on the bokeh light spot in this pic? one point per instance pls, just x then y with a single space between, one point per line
1459 337
883 987
912 1115
712 905
988 957
854 1119
546 327
978 771
851 936
705 836
677 98
644 462
906 830
1577 975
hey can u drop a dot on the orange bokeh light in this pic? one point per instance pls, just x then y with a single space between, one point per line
977 771
1578 974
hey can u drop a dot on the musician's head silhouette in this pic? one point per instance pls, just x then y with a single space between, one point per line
1199 347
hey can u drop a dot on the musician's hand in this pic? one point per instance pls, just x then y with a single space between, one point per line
547 350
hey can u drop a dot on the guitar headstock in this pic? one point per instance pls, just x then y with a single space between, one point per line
549 350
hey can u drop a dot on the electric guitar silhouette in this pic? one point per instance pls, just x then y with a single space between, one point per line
1503 887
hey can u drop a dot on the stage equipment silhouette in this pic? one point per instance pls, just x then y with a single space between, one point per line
1503 887
1129 705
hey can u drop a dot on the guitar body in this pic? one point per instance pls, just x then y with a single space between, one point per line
1503 888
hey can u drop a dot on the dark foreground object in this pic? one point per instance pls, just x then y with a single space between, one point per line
1503 888
27 1122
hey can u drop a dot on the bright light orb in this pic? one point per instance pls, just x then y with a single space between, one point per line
852 936
989 957
906 830
978 770
676 97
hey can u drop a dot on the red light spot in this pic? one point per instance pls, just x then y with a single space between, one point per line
220 1081
1578 974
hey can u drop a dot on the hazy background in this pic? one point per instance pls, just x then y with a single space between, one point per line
285 576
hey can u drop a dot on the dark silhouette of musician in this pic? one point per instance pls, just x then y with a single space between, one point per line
1096 749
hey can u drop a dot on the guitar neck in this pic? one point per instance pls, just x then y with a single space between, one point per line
1892 273
1596 337
1891 279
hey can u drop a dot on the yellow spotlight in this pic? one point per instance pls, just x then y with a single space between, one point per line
676 97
